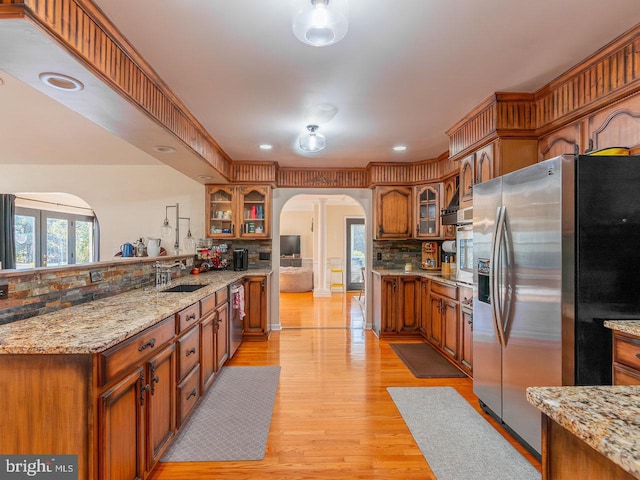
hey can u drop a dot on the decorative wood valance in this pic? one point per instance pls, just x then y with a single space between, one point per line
85 31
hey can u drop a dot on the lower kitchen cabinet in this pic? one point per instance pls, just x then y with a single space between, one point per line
214 336
442 328
257 325
626 359
466 329
137 418
396 309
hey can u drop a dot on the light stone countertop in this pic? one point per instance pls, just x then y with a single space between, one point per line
97 325
435 275
607 418
631 327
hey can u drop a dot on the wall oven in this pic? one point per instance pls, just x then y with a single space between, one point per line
464 246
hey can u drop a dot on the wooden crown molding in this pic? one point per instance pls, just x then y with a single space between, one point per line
610 74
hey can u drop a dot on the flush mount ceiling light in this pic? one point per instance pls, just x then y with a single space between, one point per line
400 148
320 22
265 146
61 82
312 141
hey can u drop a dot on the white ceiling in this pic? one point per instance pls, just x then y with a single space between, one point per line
406 71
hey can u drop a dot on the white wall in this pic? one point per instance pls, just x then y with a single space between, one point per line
129 201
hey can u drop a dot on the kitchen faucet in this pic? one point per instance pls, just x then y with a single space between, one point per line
163 272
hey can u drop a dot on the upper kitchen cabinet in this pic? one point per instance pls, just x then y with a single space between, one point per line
393 213
428 211
475 168
238 212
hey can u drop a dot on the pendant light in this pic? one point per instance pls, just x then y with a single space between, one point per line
320 22
312 141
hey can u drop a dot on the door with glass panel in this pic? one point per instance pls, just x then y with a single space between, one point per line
356 242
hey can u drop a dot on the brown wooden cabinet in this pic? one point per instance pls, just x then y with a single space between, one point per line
393 213
238 211
257 325
626 359
222 335
122 428
137 418
427 211
397 305
466 329
448 190
494 159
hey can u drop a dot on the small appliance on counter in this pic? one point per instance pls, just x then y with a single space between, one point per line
240 259
430 256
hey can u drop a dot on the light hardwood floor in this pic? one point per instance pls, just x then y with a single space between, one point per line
333 417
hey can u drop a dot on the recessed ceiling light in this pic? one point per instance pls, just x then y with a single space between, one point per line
400 148
164 149
205 177
61 82
265 146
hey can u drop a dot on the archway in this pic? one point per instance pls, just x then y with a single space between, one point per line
364 197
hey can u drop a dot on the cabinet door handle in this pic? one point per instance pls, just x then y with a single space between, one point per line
233 229
637 355
262 285
191 351
143 388
380 231
417 228
192 393
154 379
150 344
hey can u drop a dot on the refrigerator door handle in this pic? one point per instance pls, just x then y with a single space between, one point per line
494 274
507 241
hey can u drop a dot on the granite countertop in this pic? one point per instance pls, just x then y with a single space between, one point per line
95 326
432 274
607 418
631 327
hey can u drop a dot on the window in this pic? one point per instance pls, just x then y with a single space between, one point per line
52 239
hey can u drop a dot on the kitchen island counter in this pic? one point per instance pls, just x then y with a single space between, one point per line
97 325
606 418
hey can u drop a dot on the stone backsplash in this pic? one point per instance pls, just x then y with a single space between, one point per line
391 254
44 290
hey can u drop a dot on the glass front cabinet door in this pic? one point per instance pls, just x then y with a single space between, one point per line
254 207
428 211
238 212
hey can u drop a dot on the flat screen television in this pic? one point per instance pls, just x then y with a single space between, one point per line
289 245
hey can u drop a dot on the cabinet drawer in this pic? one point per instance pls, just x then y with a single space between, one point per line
188 394
444 290
131 352
208 304
188 317
188 352
625 376
626 350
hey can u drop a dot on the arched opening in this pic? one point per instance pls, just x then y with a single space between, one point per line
319 247
54 229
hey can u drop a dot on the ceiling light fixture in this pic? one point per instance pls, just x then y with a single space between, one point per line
400 148
164 149
312 141
320 22
265 146
61 82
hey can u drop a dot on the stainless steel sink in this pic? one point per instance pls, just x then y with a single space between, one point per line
184 288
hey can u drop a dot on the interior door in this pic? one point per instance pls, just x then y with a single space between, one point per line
356 238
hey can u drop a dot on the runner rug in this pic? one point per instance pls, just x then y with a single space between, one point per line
455 440
424 361
232 421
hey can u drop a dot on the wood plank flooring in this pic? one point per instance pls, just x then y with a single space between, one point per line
333 417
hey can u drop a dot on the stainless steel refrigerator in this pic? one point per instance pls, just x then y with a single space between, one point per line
555 254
